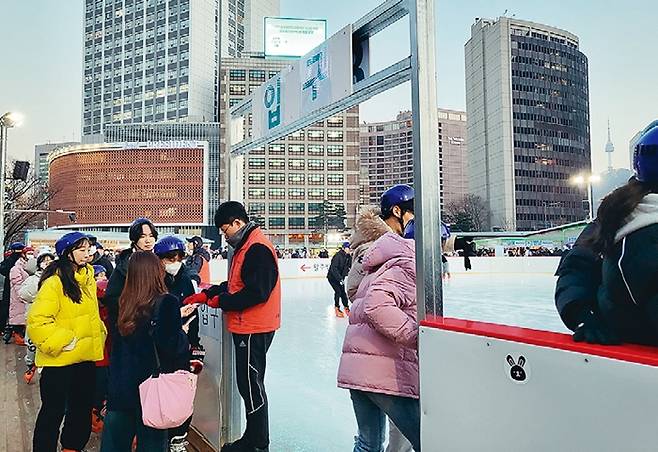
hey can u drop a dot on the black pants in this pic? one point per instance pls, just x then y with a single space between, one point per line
70 390
339 292
250 363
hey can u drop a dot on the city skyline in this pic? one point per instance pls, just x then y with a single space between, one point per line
45 83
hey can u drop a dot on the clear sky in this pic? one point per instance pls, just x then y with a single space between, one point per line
41 60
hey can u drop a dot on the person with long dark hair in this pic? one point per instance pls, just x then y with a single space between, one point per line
143 236
147 315
624 307
64 325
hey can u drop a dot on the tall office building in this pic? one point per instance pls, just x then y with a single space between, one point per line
386 150
243 24
41 153
527 99
286 182
149 61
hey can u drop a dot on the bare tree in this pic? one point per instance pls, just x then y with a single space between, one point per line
470 213
31 194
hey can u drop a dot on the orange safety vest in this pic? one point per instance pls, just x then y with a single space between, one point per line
263 317
204 272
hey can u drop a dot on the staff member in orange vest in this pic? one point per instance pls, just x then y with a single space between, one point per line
251 301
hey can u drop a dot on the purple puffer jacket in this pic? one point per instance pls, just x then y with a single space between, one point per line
380 351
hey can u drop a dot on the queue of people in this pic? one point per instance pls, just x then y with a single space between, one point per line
134 319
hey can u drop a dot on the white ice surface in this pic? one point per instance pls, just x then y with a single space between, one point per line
308 412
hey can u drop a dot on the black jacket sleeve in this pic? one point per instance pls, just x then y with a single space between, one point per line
336 267
7 264
579 277
259 274
113 292
171 341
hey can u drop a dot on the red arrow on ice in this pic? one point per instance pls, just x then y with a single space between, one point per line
304 267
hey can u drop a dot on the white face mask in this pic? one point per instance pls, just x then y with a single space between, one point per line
92 250
173 268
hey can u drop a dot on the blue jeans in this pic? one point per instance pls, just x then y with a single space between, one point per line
120 427
371 409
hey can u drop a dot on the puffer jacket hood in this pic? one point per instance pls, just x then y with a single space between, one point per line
380 351
368 228
388 247
645 214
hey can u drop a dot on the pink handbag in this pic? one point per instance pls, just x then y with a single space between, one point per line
167 399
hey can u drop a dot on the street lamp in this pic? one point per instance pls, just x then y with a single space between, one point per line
588 179
7 121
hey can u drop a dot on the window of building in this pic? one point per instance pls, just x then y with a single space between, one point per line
277 149
257 178
335 194
256 163
316 193
296 136
334 165
296 149
335 150
277 193
315 135
237 75
335 179
256 208
316 179
277 223
277 207
296 164
314 207
277 178
256 75
335 121
296 193
335 135
316 150
296 208
277 164
256 193
237 90
316 165
296 178
297 223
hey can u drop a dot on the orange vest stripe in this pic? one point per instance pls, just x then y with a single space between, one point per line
263 317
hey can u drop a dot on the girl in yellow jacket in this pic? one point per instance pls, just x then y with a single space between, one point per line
66 328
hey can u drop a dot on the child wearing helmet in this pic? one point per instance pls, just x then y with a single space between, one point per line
66 328
17 276
626 236
28 293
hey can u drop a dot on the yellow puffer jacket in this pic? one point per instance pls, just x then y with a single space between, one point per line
55 321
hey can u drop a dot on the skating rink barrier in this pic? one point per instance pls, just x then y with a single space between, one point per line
317 268
499 388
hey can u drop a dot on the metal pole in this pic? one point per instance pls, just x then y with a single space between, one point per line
231 406
590 197
3 164
425 149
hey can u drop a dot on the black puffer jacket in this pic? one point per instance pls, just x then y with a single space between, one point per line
116 283
340 266
579 277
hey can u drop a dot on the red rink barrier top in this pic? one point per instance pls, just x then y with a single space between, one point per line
639 354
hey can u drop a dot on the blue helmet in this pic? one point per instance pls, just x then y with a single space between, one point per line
409 230
398 195
645 157
135 230
99 269
67 241
345 245
17 246
168 244
445 231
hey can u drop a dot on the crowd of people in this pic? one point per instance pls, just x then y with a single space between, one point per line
106 337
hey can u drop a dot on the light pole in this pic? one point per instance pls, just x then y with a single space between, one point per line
7 121
588 179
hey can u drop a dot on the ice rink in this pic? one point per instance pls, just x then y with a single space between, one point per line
308 412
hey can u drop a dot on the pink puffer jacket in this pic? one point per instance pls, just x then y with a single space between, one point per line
17 276
380 351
